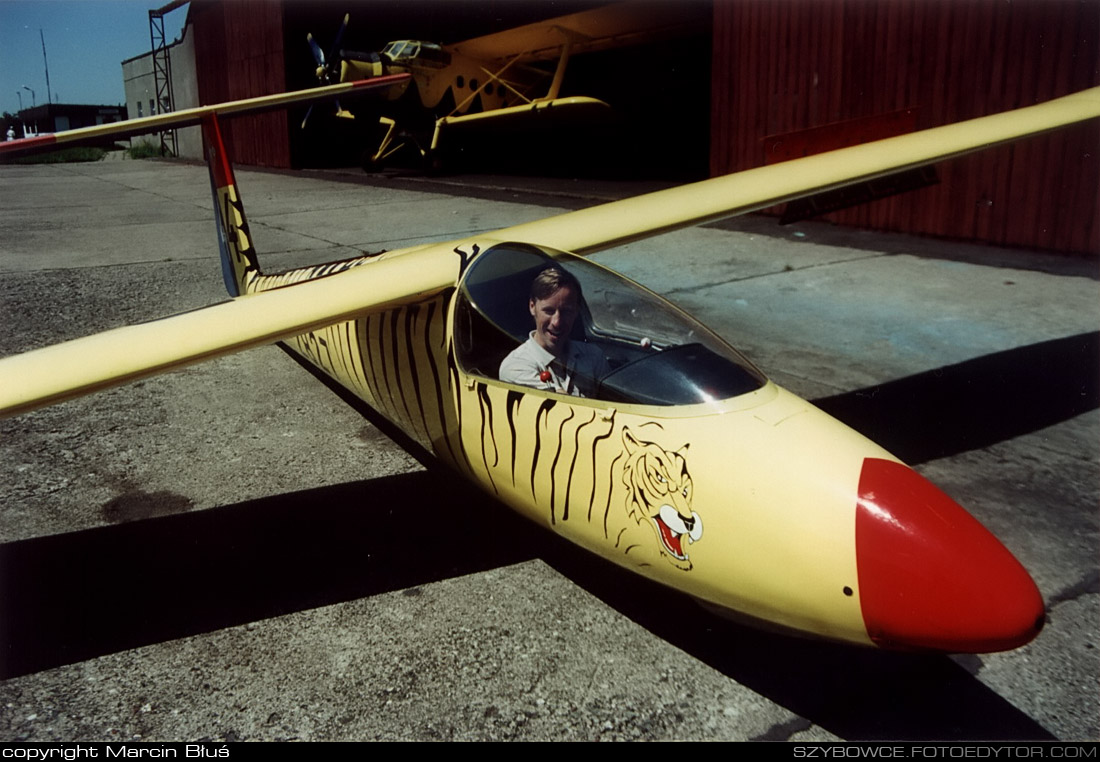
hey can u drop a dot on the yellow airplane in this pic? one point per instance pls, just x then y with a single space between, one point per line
490 80
683 462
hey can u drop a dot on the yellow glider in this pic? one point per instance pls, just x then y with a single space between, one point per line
687 465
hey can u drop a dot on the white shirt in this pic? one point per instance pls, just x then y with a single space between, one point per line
574 373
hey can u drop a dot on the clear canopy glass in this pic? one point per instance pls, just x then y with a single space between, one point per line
657 354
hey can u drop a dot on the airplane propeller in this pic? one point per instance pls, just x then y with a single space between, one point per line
326 70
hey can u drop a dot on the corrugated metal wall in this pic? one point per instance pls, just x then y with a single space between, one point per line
785 65
239 54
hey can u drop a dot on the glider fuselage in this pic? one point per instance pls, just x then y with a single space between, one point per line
749 499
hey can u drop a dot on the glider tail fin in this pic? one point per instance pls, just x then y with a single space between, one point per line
240 266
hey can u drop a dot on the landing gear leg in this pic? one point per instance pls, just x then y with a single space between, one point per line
386 148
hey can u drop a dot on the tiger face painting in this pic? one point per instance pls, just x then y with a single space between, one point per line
659 492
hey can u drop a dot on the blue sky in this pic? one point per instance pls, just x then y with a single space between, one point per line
86 43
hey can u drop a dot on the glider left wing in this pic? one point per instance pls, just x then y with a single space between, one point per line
81 366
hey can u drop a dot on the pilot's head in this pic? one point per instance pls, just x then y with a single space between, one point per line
555 302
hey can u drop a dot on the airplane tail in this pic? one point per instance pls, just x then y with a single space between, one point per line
240 266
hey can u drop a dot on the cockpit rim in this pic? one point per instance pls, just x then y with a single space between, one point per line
489 250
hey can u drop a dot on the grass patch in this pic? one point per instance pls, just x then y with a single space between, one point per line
64 156
145 150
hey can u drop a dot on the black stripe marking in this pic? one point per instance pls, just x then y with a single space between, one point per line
573 464
375 387
619 537
483 393
554 466
343 349
355 356
595 444
610 489
437 382
452 370
382 357
486 406
544 409
514 400
394 343
328 353
410 324
343 332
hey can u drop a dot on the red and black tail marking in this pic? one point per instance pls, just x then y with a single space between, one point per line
240 267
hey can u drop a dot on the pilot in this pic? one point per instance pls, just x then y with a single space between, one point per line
548 359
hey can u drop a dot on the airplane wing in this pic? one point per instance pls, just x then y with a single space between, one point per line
192 116
610 26
77 367
74 368
543 113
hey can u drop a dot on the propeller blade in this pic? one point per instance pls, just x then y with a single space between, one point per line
324 70
318 54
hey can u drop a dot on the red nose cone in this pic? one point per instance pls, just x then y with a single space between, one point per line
931 576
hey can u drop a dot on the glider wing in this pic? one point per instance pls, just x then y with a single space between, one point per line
601 227
84 365
81 366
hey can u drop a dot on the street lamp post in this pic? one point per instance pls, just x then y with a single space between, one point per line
33 104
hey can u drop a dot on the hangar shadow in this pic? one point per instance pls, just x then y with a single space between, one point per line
71 597
976 403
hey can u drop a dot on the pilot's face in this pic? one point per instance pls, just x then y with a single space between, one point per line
554 318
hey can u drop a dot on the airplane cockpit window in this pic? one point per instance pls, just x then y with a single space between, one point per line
656 354
426 52
400 49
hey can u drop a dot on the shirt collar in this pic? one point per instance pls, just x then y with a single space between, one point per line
543 356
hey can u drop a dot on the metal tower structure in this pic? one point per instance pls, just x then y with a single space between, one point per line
162 75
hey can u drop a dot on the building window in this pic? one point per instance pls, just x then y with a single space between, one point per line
139 110
152 107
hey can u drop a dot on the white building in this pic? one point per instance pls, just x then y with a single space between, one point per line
141 94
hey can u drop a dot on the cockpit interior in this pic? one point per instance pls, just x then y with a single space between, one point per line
658 355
